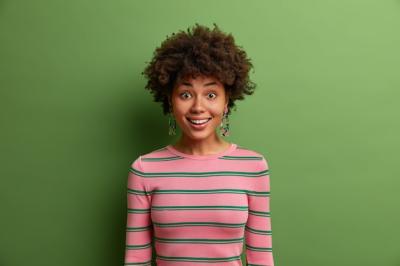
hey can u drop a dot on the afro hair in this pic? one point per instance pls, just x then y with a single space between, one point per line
199 51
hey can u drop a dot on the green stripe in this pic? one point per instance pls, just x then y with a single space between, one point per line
213 224
198 259
258 248
159 159
138 192
223 207
199 174
199 191
226 207
138 246
138 229
258 213
199 240
259 193
257 231
227 157
138 210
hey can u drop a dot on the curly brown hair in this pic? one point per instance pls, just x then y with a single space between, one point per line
199 51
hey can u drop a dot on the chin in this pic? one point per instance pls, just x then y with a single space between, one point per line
199 135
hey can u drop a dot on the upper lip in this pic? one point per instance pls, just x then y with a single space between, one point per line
194 118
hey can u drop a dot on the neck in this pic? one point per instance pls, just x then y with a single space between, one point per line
212 145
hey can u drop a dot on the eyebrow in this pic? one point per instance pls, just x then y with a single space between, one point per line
207 84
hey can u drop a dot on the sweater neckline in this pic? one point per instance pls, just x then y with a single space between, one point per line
230 149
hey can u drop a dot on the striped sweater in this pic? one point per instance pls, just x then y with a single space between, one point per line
199 209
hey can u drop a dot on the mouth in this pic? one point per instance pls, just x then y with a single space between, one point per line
198 123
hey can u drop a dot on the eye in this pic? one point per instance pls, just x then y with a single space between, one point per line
213 93
183 94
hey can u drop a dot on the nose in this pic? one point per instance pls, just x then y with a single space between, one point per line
197 106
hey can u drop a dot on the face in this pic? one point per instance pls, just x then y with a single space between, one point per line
201 98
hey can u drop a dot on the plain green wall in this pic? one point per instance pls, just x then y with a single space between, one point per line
74 115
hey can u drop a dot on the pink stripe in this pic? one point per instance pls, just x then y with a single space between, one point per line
199 250
200 232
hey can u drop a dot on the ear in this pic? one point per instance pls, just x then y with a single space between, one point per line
226 102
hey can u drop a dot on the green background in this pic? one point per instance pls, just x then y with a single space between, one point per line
74 115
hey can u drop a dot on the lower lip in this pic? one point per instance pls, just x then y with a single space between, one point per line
199 126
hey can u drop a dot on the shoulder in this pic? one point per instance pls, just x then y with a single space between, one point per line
248 151
154 156
262 162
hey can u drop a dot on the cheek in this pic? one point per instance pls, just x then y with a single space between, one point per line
217 111
180 108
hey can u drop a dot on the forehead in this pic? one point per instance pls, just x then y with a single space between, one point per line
199 80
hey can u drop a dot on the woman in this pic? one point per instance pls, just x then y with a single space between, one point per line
199 200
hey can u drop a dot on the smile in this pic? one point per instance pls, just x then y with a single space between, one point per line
199 123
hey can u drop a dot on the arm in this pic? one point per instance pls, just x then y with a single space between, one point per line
258 230
138 226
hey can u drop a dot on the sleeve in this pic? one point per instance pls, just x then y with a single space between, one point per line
258 230
139 228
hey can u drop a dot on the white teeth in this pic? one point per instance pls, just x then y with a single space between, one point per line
199 121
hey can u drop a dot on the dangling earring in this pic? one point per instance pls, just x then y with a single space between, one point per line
171 123
224 129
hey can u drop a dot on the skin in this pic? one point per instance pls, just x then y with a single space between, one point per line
199 97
